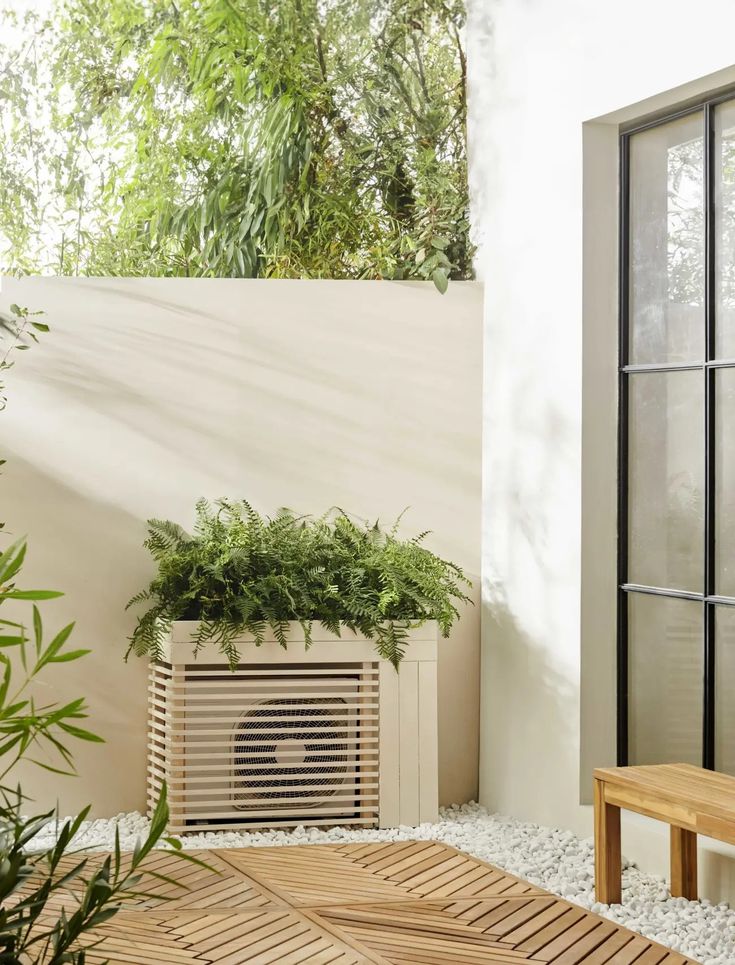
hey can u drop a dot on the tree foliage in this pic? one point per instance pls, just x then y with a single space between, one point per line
243 138
243 573
17 330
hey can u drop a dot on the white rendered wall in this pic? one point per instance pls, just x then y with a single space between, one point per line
149 393
538 72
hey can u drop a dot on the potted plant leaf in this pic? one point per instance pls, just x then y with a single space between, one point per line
241 574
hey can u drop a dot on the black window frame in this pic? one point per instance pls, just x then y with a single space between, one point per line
708 367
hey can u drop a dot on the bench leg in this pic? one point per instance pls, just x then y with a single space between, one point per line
608 864
683 863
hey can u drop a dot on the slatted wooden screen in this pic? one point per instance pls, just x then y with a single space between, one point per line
266 745
333 736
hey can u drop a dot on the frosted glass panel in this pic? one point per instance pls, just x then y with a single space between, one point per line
667 243
725 482
665 660
725 230
725 690
666 480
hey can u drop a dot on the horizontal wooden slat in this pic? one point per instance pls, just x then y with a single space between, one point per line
192 746
327 676
235 788
193 773
307 691
250 671
273 715
240 822
227 704
240 738
195 782
279 797
296 815
194 758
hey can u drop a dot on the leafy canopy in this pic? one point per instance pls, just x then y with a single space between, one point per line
243 138
242 573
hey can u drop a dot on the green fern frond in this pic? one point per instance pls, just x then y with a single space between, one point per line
280 632
306 627
391 641
241 573
165 535
138 598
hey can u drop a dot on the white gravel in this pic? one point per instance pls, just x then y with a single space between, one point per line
555 860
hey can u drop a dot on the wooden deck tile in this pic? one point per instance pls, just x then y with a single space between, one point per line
409 903
205 938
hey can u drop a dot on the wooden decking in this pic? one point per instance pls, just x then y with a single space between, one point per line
410 902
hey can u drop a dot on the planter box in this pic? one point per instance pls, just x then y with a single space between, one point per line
324 736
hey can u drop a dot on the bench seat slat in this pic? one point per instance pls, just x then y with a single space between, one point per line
692 793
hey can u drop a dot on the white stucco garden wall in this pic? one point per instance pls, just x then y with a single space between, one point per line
149 393
538 72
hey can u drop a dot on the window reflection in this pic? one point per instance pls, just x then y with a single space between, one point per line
667 243
666 481
725 230
724 700
666 667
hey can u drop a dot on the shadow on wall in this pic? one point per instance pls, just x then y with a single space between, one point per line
219 383
150 393
101 545
531 705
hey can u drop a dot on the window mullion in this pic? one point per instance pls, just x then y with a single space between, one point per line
623 379
710 375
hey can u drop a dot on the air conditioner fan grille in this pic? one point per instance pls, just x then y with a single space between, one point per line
308 741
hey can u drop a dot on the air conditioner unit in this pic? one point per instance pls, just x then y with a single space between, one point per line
324 736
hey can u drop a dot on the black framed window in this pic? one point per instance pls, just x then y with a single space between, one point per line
676 553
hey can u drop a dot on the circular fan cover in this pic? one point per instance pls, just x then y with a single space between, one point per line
306 741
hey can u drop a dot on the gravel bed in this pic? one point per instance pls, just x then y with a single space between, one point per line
556 860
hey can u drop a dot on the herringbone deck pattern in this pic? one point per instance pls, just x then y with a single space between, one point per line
414 903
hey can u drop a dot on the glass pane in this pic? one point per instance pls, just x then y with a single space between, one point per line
666 667
725 689
666 480
667 243
725 482
725 230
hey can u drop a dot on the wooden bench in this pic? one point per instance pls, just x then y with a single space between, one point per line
692 800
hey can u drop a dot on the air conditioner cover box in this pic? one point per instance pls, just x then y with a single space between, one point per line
324 736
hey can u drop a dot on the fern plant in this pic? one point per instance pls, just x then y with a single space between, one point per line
243 573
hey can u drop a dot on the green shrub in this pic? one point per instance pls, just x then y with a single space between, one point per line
243 573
